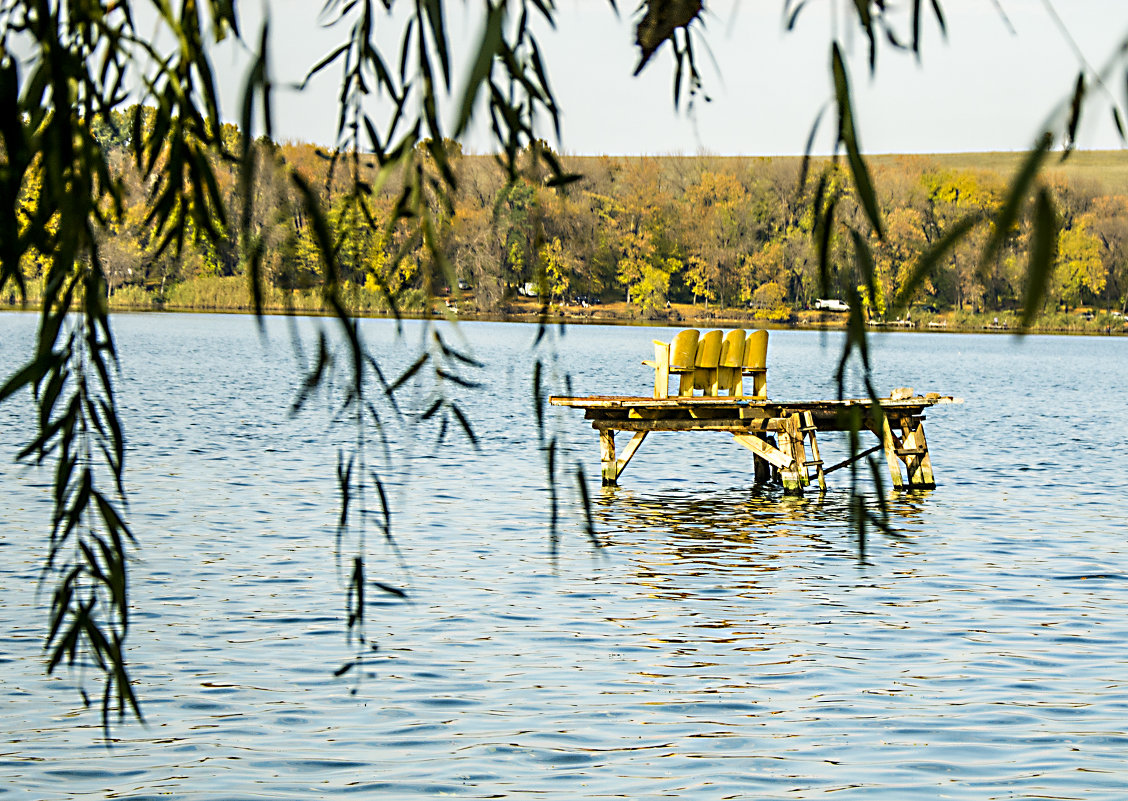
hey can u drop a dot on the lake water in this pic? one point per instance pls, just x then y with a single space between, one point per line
725 643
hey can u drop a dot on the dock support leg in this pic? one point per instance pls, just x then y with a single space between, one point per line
917 460
610 469
761 469
791 443
628 453
890 445
809 428
767 455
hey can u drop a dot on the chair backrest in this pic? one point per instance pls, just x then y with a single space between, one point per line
732 349
756 362
683 350
707 359
756 351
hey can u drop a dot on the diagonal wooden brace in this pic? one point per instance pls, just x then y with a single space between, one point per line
782 458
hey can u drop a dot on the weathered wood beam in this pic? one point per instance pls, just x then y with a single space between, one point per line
809 428
890 444
794 476
764 450
916 456
629 452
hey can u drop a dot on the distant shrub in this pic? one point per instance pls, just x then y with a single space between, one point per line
210 292
132 297
778 314
768 296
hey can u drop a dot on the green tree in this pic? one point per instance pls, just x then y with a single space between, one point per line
516 217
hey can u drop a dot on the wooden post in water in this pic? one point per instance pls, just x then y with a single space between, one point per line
809 428
889 443
915 451
607 460
791 443
761 467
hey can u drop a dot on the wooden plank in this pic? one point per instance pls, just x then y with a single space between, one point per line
906 452
916 455
733 425
828 407
661 365
926 459
669 416
791 442
788 473
705 414
685 384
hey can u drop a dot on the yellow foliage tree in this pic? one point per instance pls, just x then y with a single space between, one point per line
1078 269
700 276
556 269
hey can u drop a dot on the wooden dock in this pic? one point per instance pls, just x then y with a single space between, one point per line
780 434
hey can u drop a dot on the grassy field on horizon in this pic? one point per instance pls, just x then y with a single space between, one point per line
1107 169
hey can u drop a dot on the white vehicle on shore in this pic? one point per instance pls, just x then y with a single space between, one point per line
831 304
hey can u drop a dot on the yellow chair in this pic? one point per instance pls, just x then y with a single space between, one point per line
706 363
729 370
756 363
675 358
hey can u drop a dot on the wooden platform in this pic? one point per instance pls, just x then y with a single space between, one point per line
780 434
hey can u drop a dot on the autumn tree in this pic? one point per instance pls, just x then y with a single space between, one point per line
724 228
1108 220
1079 273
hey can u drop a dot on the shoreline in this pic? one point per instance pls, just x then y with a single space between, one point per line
1101 323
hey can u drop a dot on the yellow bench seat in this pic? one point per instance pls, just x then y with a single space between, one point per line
714 363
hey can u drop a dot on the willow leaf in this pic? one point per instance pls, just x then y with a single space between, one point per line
1016 196
1075 105
1042 251
847 136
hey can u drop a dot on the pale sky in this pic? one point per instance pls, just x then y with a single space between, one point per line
984 88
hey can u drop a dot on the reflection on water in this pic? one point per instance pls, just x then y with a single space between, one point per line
758 522
726 642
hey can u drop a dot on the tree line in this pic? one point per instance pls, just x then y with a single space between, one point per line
710 231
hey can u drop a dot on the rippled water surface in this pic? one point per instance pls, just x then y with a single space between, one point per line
726 643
